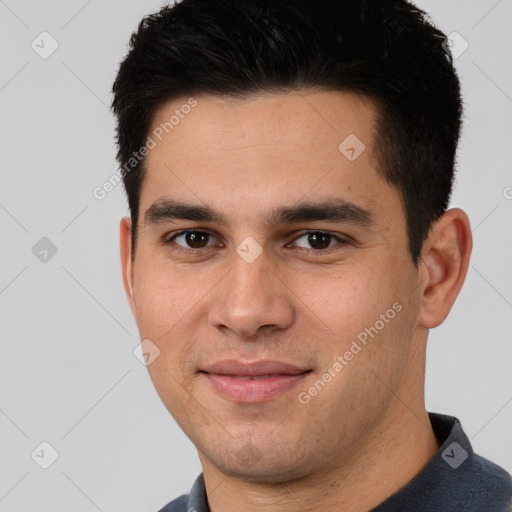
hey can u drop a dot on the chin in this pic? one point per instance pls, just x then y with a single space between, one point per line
263 473
253 465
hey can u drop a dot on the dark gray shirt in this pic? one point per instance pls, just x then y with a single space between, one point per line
455 480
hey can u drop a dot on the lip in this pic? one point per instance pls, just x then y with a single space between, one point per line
253 382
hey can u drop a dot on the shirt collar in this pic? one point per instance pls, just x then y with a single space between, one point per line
439 482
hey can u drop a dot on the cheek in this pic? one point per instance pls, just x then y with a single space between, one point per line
370 306
162 298
345 301
169 307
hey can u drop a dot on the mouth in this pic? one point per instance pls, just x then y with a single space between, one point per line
253 382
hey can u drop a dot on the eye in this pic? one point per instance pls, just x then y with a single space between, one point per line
318 240
191 239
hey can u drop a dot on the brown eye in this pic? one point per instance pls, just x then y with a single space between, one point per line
317 240
191 239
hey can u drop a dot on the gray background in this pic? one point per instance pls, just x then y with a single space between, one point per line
68 375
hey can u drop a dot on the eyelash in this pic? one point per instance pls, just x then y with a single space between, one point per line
169 240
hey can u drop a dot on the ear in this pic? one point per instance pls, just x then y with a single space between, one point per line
444 263
125 242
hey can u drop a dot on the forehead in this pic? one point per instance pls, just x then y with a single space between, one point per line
302 121
252 153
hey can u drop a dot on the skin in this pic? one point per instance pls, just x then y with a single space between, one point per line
367 433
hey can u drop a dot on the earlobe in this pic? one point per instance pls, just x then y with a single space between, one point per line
444 263
125 241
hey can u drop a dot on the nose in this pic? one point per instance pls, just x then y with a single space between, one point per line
253 297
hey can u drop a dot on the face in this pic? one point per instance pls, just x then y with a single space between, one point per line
286 256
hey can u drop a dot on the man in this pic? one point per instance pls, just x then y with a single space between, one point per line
288 167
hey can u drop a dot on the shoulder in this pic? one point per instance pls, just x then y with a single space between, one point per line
177 505
195 501
490 483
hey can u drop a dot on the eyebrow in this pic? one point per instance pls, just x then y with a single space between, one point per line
338 210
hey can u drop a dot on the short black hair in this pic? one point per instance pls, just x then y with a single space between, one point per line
387 50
